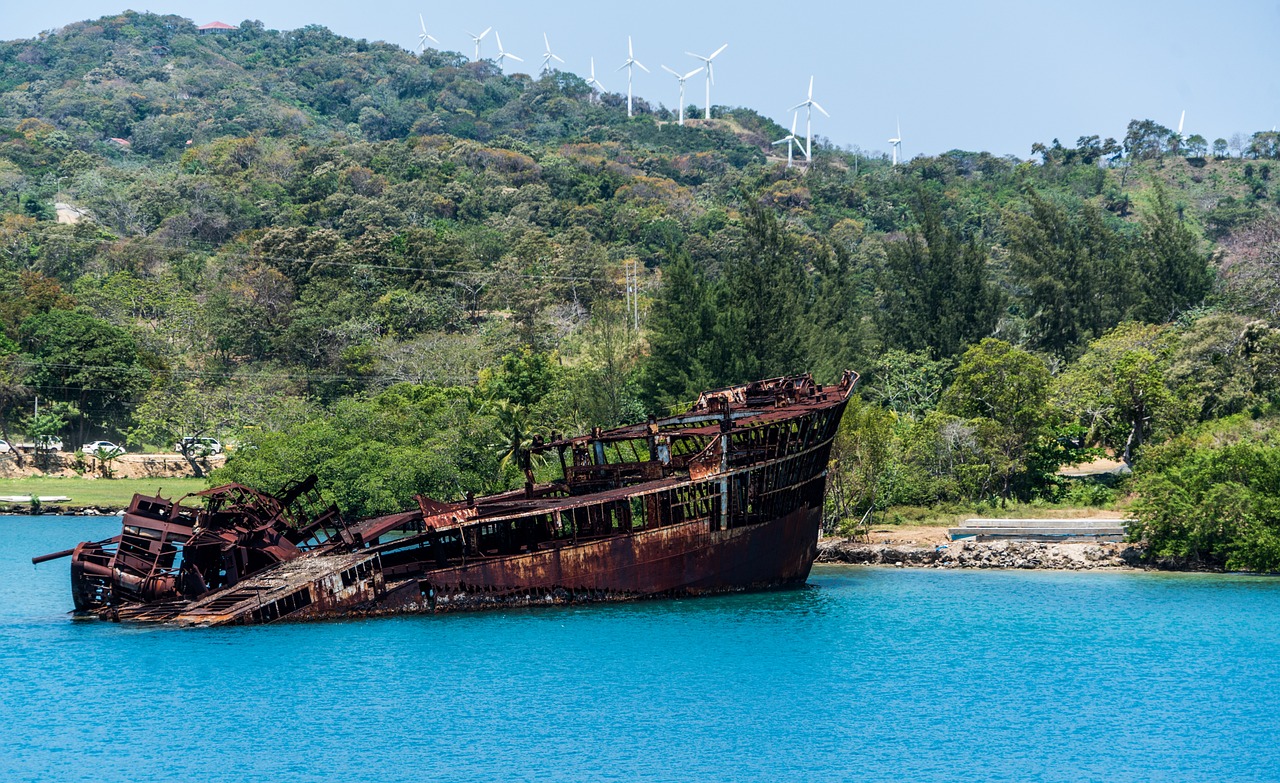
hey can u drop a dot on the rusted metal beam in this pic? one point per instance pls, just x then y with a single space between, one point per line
734 503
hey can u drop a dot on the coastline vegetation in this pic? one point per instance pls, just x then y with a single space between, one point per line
392 269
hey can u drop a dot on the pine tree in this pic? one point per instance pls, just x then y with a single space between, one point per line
680 332
1073 271
836 330
935 293
760 303
1176 273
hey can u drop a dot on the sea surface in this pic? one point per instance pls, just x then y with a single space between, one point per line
870 674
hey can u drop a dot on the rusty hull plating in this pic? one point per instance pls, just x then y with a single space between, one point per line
725 497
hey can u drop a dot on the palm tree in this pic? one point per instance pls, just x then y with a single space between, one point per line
105 457
517 440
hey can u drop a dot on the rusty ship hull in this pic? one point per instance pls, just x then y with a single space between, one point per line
726 497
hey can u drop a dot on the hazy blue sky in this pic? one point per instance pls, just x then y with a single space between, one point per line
989 75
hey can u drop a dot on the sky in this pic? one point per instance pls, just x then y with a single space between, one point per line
993 75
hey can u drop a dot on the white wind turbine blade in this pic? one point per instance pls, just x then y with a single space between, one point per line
497 37
547 42
690 73
556 57
1181 120
794 117
810 88
641 66
671 71
717 52
800 105
513 57
817 106
487 30
477 39
899 120
631 53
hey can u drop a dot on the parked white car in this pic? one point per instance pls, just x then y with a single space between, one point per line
48 443
106 446
198 447
5 448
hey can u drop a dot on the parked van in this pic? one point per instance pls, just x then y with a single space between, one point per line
198 447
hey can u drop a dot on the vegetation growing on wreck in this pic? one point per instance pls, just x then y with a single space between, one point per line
350 259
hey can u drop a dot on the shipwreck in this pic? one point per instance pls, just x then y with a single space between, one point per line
727 496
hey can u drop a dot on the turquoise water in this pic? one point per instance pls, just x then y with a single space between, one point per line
869 675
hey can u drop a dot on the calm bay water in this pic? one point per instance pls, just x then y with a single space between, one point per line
869 675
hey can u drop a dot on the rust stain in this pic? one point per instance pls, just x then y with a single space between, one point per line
725 497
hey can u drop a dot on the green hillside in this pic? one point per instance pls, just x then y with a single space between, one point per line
392 269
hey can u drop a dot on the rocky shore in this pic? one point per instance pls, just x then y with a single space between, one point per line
25 510
994 554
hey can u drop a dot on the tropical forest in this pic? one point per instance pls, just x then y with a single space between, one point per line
394 270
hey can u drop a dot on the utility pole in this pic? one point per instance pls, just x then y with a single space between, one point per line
633 291
626 270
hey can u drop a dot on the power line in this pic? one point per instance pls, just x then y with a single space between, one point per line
214 250
187 373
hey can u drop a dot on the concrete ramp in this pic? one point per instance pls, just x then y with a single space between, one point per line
1048 530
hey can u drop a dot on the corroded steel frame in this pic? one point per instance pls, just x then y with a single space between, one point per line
726 496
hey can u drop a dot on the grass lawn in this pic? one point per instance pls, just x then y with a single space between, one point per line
107 493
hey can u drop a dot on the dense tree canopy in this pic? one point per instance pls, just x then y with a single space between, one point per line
351 259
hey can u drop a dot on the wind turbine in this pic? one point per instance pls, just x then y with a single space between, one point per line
593 82
711 76
682 80
631 61
547 56
504 55
424 36
809 104
478 39
897 143
790 138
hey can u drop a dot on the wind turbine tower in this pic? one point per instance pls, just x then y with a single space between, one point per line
424 36
897 143
682 80
809 104
504 55
631 61
547 56
711 75
790 138
478 39
593 82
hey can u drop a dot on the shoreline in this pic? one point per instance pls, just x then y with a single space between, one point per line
923 550
59 510
1085 556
